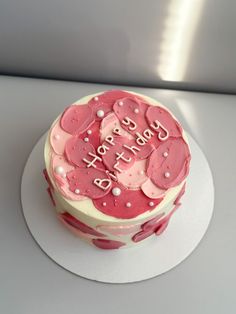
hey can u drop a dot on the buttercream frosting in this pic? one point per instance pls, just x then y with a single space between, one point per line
116 162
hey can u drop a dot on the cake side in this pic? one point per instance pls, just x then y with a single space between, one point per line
122 213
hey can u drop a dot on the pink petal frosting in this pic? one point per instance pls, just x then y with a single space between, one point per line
82 179
61 182
76 119
133 108
105 101
109 123
76 223
134 177
58 139
165 118
110 158
77 149
151 190
107 244
166 172
75 230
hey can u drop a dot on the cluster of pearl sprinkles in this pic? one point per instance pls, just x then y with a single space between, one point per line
86 139
117 192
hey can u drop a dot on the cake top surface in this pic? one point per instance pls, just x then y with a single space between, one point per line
120 151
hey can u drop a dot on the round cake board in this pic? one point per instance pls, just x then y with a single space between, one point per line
156 256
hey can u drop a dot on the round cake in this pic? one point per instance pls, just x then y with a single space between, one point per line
116 167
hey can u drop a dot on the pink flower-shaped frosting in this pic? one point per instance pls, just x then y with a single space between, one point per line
119 151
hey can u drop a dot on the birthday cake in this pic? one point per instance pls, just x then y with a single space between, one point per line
116 168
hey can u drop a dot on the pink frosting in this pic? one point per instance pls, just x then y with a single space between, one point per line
46 176
145 151
58 160
58 139
92 134
82 179
49 190
75 231
181 193
118 147
176 164
109 123
135 176
133 108
76 223
110 158
76 119
61 182
107 244
105 101
118 206
151 190
158 224
165 118
148 228
118 230
76 150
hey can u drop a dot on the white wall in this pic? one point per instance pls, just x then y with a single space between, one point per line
175 43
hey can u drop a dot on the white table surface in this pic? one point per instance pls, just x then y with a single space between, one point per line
32 283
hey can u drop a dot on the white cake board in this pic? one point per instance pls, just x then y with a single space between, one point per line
159 254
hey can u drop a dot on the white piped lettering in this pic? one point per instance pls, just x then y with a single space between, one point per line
102 149
103 184
109 139
148 134
157 126
133 149
91 163
140 140
116 167
111 175
129 122
117 131
121 156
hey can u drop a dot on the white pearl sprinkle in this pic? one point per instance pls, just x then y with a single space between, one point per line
96 98
167 174
165 154
141 172
151 204
120 103
104 204
77 191
86 139
128 204
57 136
100 113
89 132
136 110
116 191
59 170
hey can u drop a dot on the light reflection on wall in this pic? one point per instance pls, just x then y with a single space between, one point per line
189 117
180 26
